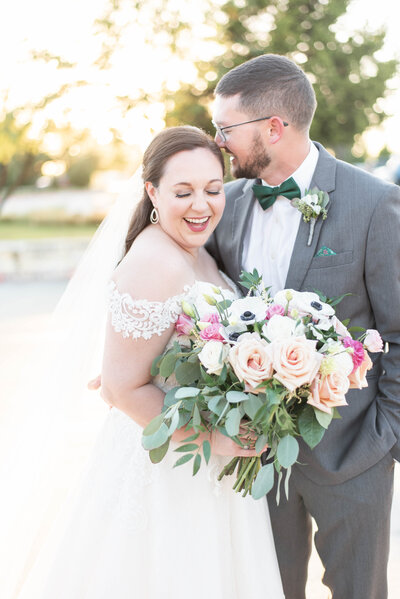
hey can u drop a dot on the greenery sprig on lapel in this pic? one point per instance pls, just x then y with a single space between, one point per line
312 205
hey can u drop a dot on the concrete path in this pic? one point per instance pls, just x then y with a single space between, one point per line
24 310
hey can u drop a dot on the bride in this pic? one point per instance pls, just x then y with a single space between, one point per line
135 529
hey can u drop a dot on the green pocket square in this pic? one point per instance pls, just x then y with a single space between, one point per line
324 251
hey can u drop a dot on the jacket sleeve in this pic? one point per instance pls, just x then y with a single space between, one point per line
382 275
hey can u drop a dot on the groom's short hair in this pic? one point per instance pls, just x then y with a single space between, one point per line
271 83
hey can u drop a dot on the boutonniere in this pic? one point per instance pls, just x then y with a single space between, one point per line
312 206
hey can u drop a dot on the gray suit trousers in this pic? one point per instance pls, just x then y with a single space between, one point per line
353 532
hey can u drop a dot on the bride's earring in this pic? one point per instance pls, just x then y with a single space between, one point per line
154 216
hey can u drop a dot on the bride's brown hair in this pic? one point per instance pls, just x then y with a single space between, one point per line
165 145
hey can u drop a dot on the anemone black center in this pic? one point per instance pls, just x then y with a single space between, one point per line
234 336
316 305
247 315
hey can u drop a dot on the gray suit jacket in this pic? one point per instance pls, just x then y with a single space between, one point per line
363 228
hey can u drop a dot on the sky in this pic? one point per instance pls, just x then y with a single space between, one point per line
66 29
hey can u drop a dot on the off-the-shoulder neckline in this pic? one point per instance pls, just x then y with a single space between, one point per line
186 289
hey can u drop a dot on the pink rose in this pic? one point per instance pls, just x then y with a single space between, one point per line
275 309
358 350
296 361
184 325
212 332
212 317
329 391
358 378
373 341
251 361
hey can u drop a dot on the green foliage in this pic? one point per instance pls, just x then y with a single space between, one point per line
348 78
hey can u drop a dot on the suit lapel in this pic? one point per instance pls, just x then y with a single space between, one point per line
324 179
241 215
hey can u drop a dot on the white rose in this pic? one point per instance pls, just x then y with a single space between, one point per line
279 327
343 363
213 356
247 310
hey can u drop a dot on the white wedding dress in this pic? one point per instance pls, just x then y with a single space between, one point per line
136 530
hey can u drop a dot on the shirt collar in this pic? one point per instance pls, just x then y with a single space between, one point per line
304 173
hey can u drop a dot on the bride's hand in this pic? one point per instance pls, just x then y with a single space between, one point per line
222 445
94 385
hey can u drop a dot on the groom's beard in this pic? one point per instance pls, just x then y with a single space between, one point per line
255 164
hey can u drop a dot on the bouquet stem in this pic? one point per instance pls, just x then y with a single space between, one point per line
247 471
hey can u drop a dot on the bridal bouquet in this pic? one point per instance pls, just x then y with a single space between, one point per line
261 370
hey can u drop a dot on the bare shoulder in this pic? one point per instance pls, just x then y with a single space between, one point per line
155 268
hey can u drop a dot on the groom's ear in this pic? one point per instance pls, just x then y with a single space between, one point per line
276 129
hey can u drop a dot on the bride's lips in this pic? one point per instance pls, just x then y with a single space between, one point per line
197 225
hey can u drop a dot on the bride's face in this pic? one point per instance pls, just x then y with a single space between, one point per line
190 198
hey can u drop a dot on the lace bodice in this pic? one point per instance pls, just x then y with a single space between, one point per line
137 318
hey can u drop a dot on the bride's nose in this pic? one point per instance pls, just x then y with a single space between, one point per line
199 201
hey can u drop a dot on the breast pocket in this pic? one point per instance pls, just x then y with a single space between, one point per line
331 261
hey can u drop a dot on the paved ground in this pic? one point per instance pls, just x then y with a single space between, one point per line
24 309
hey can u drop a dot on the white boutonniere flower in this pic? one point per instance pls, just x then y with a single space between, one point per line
312 205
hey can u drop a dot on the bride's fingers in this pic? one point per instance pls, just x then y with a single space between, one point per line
94 384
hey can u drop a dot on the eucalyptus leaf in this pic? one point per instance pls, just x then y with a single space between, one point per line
187 447
288 451
157 454
157 439
182 460
236 396
191 438
167 365
174 423
184 417
196 464
323 418
187 372
185 392
170 399
261 443
216 404
264 481
288 474
196 416
155 366
153 425
232 422
309 427
206 451
252 405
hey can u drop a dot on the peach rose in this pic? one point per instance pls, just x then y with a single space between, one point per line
358 377
329 391
251 361
295 361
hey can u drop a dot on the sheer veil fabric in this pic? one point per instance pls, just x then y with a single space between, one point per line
53 421
131 529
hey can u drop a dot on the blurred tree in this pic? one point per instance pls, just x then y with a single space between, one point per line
19 155
348 77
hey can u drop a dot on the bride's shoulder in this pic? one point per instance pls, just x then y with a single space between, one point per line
154 268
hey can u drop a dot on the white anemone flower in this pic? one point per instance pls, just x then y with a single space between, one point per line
247 310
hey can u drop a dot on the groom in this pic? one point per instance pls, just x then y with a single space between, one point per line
263 111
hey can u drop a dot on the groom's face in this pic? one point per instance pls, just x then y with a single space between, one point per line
245 144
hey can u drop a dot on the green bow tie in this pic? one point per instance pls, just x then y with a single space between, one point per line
267 195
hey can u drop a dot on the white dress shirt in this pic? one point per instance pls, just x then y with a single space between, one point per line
270 236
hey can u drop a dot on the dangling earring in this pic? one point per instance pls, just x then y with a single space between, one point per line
154 217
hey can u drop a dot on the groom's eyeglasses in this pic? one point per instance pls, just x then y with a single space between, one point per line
220 130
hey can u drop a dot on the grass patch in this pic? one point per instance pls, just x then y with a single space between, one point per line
25 229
